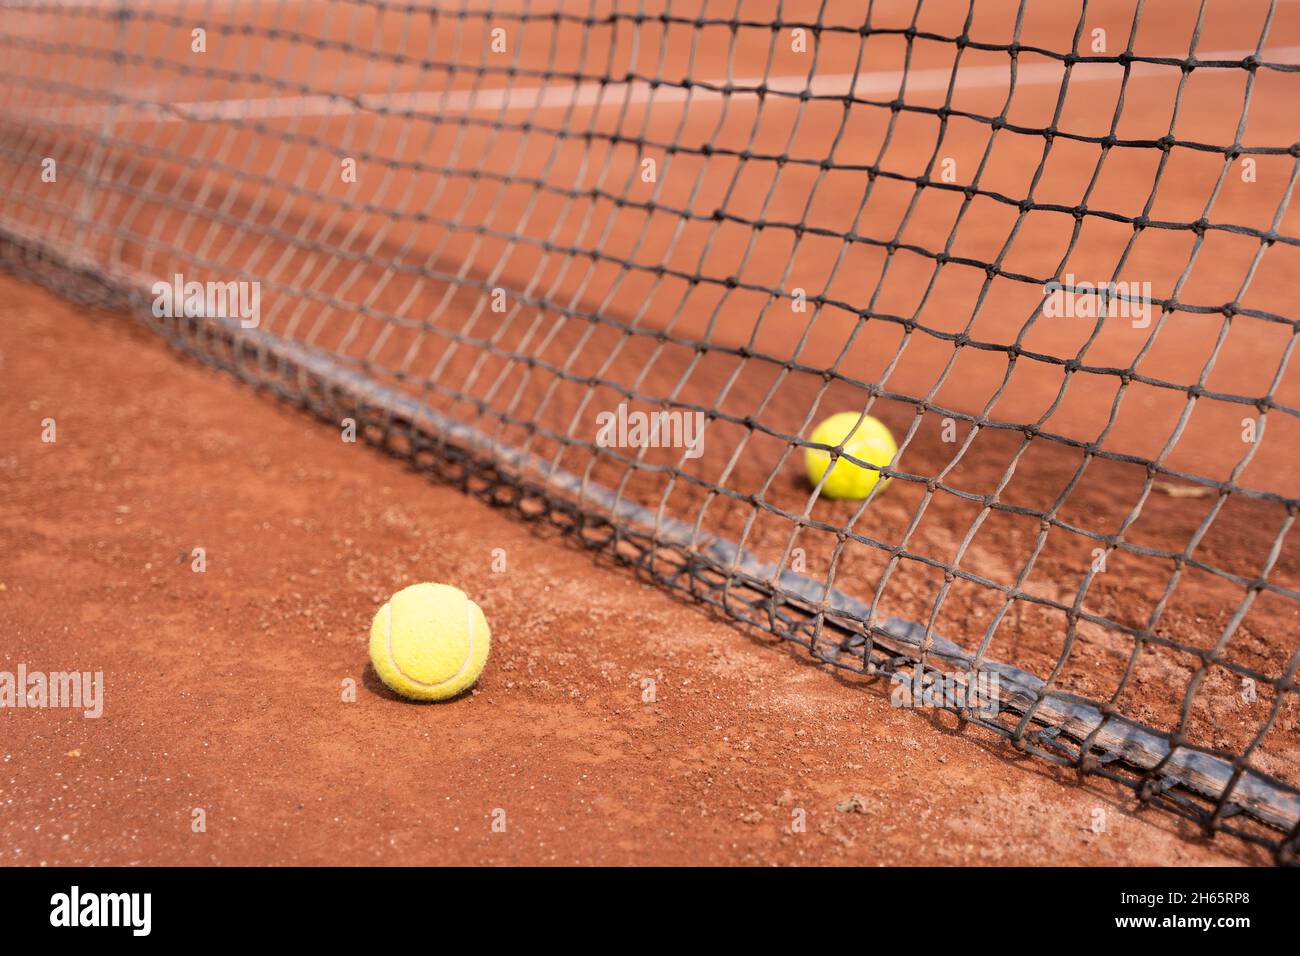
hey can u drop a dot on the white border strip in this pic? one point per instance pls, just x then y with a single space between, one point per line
612 95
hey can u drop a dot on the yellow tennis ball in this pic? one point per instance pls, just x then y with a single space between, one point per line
869 442
429 642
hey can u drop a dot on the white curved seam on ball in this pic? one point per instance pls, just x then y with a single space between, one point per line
469 656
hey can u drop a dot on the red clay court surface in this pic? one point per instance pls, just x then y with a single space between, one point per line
224 687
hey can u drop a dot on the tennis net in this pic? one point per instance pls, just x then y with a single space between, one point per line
609 263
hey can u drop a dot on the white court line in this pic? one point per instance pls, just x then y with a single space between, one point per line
611 95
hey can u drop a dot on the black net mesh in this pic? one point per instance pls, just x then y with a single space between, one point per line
1048 245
